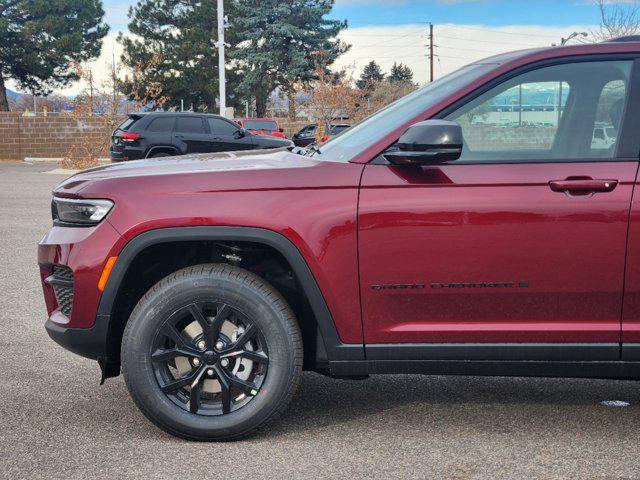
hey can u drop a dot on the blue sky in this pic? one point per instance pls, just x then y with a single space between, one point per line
487 12
389 12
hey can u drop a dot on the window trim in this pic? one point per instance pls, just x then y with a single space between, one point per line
628 143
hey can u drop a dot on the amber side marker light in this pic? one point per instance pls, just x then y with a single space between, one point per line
106 271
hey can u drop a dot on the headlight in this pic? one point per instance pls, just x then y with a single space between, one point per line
80 212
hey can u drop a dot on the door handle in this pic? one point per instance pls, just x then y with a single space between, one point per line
179 136
583 186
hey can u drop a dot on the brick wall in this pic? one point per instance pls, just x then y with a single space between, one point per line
48 137
10 145
292 126
55 135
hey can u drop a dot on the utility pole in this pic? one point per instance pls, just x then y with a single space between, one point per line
114 80
221 71
431 52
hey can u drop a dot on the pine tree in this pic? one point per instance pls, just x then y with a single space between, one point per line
40 40
371 75
174 48
400 74
279 42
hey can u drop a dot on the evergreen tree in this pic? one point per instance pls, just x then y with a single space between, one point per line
279 42
40 40
400 74
371 75
174 48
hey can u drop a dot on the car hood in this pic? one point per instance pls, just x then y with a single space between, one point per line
268 169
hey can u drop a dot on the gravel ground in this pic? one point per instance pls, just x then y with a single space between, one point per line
57 422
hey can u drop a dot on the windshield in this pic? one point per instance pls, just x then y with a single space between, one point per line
361 136
260 125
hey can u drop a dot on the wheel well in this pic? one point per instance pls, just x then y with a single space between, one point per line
157 261
165 149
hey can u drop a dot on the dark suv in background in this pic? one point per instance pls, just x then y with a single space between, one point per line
146 135
307 135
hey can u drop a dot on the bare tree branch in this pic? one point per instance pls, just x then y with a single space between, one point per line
617 19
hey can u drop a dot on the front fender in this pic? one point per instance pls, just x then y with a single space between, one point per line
335 349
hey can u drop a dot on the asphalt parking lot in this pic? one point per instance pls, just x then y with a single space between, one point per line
57 422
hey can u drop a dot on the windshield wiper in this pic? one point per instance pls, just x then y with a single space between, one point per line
314 148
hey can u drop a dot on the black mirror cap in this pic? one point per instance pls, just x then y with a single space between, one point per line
430 142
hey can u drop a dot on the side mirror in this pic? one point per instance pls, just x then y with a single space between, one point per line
432 142
241 133
281 130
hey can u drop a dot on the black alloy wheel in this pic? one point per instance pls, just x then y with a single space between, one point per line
213 372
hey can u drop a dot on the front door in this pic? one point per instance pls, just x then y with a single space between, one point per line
226 136
523 239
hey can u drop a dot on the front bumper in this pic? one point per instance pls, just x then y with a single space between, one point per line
84 252
87 342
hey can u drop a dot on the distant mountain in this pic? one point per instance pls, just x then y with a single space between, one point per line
12 95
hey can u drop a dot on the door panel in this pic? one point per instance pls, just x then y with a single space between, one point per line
490 253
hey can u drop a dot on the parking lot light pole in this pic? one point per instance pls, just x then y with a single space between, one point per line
221 71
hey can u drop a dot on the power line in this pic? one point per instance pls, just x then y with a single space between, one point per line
464 49
348 32
384 44
453 25
373 57
491 42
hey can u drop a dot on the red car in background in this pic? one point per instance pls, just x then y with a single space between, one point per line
263 126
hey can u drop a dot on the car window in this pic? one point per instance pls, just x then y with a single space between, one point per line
190 125
161 124
609 108
221 127
548 114
260 125
307 131
336 129
127 124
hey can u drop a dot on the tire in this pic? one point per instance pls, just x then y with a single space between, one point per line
161 154
248 304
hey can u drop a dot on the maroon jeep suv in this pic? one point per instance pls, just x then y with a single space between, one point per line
477 226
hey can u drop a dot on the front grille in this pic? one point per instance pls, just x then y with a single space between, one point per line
62 283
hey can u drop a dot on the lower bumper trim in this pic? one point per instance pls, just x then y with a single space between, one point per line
86 342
